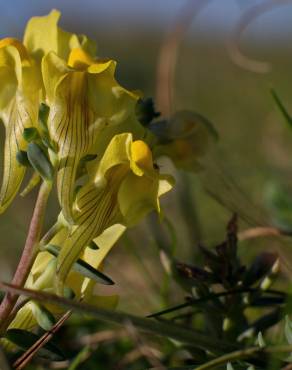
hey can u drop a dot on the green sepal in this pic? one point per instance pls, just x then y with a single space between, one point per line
25 339
88 158
44 111
145 111
43 316
83 268
92 245
22 158
30 134
40 161
33 182
48 143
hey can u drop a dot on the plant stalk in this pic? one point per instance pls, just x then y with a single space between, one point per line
28 255
160 328
244 353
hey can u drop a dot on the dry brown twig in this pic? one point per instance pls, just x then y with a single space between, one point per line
22 361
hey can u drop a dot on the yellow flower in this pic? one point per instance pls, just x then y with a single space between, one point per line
42 35
83 96
124 187
43 274
85 101
21 86
19 102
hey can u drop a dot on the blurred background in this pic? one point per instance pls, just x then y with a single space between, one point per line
233 92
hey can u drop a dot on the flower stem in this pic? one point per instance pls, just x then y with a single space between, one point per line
28 255
244 353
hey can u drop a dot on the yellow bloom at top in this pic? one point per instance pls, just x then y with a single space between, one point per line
60 69
85 102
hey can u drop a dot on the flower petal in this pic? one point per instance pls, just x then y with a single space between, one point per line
42 35
68 122
19 94
97 211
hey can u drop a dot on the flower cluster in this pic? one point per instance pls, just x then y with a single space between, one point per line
68 118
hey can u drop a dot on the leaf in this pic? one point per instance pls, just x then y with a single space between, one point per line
266 321
43 316
259 268
22 159
281 107
164 329
25 339
83 268
81 357
33 182
40 162
92 245
44 111
30 134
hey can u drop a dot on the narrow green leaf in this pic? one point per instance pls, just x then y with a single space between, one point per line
259 268
33 182
30 134
281 107
43 116
171 331
22 158
43 316
83 268
81 357
40 162
25 339
93 246
88 158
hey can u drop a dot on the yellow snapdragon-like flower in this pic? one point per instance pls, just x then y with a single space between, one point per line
84 99
106 178
19 102
21 90
42 277
122 189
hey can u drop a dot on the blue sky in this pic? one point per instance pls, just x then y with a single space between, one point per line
216 19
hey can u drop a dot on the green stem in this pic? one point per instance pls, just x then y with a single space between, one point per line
28 255
240 354
193 302
191 337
